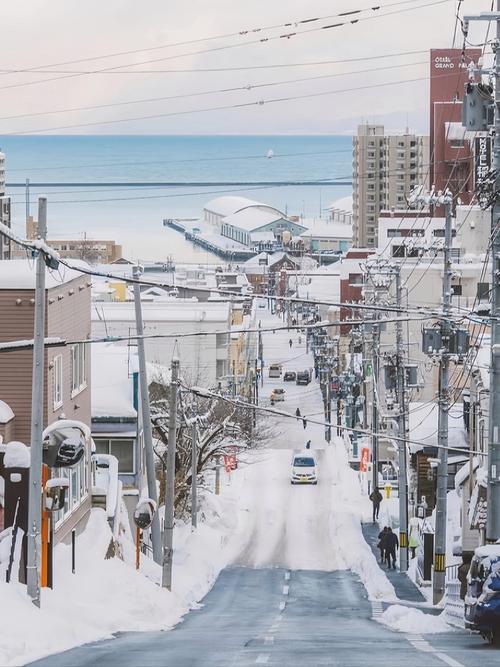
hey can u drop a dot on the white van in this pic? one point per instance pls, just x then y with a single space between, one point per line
275 370
304 469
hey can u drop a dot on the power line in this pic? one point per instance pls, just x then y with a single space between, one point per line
223 107
216 91
286 36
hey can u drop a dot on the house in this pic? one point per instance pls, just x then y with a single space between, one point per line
203 357
66 368
264 269
247 221
322 235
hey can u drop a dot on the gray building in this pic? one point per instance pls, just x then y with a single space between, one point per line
385 169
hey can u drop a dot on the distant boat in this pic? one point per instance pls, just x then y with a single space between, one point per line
270 153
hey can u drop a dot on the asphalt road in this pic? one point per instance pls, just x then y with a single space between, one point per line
278 617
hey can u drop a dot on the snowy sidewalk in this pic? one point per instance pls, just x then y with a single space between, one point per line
403 585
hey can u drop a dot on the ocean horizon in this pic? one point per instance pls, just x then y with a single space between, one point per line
133 216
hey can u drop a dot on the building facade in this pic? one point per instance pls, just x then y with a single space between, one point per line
451 152
385 169
5 214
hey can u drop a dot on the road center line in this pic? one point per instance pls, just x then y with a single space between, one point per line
287 576
286 589
421 644
282 605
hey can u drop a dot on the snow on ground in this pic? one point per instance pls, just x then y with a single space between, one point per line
260 520
414 621
107 596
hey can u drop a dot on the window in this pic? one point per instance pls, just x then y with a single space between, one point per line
355 279
78 368
77 490
483 291
57 382
456 290
122 448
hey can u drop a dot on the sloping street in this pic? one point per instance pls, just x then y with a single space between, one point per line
300 575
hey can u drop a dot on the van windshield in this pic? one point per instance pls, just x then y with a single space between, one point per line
303 462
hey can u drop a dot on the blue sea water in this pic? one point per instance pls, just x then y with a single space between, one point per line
133 216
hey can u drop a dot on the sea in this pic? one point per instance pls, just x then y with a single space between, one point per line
87 182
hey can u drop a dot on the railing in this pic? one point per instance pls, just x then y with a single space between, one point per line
454 605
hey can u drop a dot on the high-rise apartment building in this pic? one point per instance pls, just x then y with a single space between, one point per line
385 168
5 244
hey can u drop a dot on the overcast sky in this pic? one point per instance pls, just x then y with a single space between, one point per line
42 32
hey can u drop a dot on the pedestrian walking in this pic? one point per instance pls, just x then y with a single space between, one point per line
297 413
391 544
376 498
304 422
290 342
463 571
413 544
308 444
381 544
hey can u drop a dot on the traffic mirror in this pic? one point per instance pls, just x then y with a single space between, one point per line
144 513
63 447
55 494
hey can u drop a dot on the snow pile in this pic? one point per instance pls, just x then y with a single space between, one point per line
350 509
414 621
6 413
109 596
17 455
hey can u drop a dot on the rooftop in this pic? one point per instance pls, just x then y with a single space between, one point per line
21 274
229 204
112 385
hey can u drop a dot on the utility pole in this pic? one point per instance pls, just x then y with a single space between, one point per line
401 388
194 475
168 532
375 368
146 416
438 581
35 490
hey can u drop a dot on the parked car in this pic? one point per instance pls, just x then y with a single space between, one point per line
275 370
482 602
277 395
289 376
303 377
304 469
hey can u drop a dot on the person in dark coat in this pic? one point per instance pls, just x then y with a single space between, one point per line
308 444
391 544
381 544
376 498
462 572
290 342
304 422
297 413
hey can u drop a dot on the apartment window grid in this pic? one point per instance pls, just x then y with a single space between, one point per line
122 448
57 381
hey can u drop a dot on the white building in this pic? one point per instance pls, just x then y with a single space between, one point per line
247 221
327 235
5 244
203 358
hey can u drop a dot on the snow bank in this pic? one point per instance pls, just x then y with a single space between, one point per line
351 508
6 413
109 596
414 621
17 455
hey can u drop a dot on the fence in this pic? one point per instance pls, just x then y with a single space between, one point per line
454 605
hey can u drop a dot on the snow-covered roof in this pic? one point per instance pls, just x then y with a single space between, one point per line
173 310
112 385
21 274
423 423
253 217
6 413
229 204
325 229
345 204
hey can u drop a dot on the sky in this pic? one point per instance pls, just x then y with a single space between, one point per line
48 32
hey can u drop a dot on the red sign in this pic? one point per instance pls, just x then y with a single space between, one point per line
365 457
230 462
